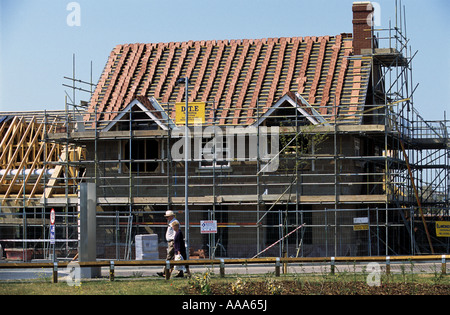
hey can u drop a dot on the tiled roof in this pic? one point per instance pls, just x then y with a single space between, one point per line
235 77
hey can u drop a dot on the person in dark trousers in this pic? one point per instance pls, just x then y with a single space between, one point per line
170 236
180 247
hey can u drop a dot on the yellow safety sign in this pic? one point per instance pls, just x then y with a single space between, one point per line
196 113
361 227
442 228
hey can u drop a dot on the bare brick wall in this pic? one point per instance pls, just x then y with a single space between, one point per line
362 34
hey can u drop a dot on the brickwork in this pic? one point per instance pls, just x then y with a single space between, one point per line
362 33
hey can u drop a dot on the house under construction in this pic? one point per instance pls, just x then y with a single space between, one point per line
332 141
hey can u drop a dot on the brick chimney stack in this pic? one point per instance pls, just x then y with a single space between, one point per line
362 26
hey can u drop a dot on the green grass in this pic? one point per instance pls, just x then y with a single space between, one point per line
95 287
176 286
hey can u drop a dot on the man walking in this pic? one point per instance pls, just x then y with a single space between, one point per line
170 236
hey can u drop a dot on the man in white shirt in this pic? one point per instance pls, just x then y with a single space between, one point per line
170 235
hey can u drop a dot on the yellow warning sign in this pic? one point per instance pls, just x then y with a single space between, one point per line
196 113
442 228
361 227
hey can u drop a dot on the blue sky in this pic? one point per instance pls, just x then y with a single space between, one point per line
37 44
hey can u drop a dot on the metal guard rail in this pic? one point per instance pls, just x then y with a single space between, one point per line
221 262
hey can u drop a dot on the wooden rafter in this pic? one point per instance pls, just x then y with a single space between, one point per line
36 183
58 169
22 147
22 164
47 159
8 138
12 157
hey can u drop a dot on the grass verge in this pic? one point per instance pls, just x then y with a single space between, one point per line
210 284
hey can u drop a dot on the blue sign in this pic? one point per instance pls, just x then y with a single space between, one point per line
52 234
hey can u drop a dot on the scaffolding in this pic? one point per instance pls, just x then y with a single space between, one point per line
372 180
